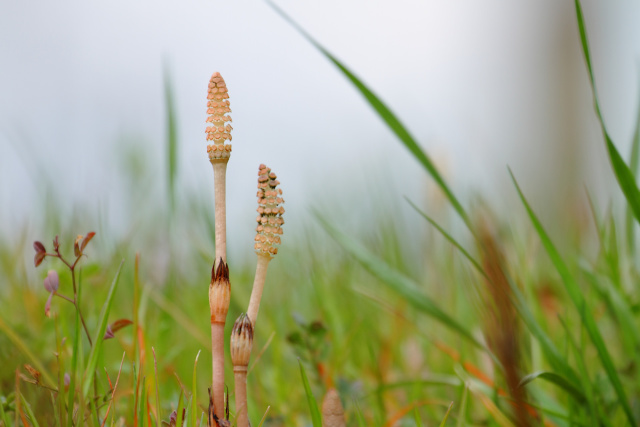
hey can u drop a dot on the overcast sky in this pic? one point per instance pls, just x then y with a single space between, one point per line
480 84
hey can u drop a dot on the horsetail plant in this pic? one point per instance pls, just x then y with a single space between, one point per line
267 240
269 229
220 289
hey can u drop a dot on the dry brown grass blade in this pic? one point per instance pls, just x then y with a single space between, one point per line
502 326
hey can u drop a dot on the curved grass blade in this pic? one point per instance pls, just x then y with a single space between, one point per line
194 394
447 236
634 162
398 282
623 174
554 379
444 420
99 336
578 300
27 408
462 414
387 116
316 418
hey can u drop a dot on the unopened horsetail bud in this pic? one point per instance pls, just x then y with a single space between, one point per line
241 342
218 130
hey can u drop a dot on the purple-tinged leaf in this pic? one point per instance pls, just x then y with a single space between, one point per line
76 246
40 256
39 247
87 239
52 281
115 327
67 381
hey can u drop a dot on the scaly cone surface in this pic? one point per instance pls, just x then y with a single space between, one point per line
219 130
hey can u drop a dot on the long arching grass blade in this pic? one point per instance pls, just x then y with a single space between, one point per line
398 282
623 174
387 116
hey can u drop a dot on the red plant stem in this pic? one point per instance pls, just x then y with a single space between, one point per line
217 351
240 379
75 291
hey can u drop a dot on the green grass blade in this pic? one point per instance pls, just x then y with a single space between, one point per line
444 420
553 355
99 335
634 162
590 391
316 419
194 394
578 300
623 174
359 416
74 367
462 414
172 138
397 281
447 236
27 408
180 410
3 415
387 116
555 379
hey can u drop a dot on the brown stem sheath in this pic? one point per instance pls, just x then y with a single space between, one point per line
258 286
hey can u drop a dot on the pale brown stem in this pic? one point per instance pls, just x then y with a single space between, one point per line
258 286
217 352
240 378
219 183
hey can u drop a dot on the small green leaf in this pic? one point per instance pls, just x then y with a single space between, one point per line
313 405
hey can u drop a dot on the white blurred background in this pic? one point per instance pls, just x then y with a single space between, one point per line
480 85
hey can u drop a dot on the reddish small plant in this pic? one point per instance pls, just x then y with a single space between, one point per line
52 281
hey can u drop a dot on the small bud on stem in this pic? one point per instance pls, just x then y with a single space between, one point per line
241 343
